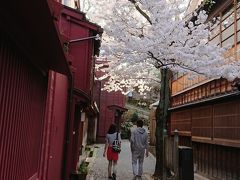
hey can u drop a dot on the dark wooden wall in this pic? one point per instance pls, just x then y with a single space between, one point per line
213 123
213 131
214 161
217 162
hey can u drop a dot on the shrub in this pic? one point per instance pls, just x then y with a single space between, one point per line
128 115
90 154
87 148
146 122
125 129
83 168
134 117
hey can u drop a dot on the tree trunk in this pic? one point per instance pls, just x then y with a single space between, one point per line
161 119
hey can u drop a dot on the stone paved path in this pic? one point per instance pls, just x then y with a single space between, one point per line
98 168
98 165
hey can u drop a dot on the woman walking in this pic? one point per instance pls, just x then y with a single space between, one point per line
113 138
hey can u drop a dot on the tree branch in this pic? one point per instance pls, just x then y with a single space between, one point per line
147 78
172 63
188 68
141 11
152 56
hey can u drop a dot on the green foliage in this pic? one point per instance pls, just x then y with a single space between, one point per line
87 148
133 101
90 154
83 168
125 129
134 117
131 115
208 4
127 115
142 103
146 122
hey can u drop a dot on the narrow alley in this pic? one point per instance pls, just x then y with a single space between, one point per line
98 165
98 169
71 69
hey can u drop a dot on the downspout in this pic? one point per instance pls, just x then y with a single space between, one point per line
67 130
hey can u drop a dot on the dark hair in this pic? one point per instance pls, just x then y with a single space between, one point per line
112 129
139 123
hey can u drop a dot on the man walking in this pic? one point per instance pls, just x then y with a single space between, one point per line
139 146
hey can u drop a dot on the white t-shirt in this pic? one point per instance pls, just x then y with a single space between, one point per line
111 137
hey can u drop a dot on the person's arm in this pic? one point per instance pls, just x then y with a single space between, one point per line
132 140
147 146
106 146
119 138
147 152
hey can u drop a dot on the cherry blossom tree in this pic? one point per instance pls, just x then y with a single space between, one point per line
144 37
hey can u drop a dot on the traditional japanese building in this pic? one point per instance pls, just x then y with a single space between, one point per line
30 51
46 88
79 38
106 99
206 112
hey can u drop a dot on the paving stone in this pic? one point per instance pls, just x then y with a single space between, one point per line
98 169
98 165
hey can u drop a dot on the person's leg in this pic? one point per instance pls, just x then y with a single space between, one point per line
114 169
134 163
140 163
109 168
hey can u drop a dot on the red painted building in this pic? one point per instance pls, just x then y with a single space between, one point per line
81 47
106 99
45 89
28 36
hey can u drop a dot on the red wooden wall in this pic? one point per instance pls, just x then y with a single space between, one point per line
73 25
80 54
54 128
106 117
23 90
33 103
105 99
59 118
76 137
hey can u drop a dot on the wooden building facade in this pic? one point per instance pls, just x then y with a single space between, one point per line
105 99
46 99
206 112
81 47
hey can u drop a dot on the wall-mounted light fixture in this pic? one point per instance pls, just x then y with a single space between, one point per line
97 37
66 44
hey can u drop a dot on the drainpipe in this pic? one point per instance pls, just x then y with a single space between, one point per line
65 174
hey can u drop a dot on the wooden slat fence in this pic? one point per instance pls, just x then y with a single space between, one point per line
171 155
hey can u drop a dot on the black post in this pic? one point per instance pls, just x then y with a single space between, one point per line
118 115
